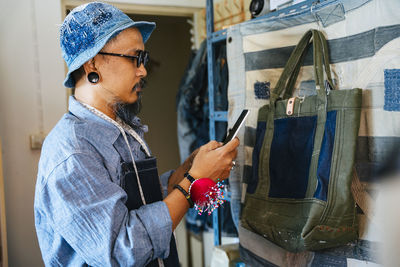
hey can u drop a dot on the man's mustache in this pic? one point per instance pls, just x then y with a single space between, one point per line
141 84
128 111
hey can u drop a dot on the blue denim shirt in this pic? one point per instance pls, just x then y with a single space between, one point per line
80 215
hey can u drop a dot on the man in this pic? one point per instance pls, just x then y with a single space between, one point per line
98 200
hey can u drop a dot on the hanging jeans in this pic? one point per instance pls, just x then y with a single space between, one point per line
193 121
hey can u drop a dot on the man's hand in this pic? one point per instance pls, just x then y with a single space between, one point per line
214 161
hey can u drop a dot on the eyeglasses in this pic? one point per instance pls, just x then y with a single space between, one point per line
142 57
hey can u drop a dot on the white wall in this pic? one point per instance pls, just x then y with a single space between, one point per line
25 70
32 99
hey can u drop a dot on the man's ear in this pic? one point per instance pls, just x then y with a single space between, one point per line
92 74
90 66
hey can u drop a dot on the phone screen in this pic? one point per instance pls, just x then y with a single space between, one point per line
236 127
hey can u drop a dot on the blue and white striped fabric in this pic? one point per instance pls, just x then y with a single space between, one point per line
364 42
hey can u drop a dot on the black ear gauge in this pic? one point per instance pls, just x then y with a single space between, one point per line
93 77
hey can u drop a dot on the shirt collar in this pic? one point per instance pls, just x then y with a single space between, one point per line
109 131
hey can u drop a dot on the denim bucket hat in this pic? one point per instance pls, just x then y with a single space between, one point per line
86 30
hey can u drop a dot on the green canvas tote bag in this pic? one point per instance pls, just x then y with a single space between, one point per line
299 196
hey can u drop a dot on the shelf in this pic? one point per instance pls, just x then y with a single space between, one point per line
218 36
219 115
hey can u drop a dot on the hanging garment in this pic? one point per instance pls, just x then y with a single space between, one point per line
192 100
193 122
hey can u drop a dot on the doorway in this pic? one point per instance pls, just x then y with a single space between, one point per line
170 49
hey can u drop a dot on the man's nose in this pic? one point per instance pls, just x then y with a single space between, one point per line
141 71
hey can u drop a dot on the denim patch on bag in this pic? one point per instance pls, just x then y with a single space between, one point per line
325 156
392 90
290 156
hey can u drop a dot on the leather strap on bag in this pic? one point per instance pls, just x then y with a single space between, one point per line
361 197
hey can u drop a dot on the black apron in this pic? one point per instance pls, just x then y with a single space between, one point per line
148 175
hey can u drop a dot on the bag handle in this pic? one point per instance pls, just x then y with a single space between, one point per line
294 63
317 36
290 66
327 63
323 49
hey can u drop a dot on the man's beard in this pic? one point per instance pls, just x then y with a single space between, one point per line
128 111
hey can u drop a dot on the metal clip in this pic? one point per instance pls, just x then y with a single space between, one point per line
290 106
299 106
327 87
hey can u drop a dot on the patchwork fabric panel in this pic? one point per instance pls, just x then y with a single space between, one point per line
325 156
331 14
291 150
392 90
364 41
262 90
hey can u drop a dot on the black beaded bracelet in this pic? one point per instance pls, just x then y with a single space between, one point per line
187 196
189 177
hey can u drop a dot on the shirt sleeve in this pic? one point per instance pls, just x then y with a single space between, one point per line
87 209
164 182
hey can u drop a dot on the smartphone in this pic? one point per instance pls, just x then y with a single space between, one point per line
236 127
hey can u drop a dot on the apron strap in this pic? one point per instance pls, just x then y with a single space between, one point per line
134 134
